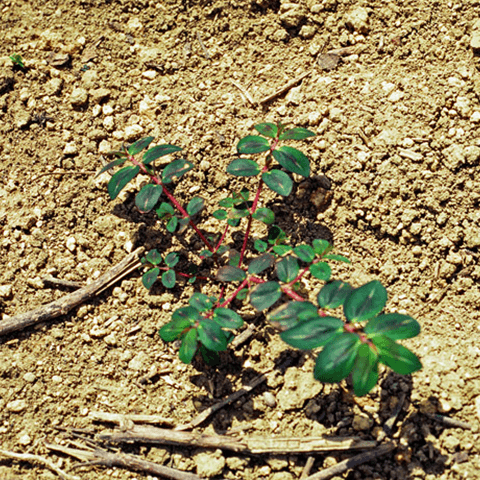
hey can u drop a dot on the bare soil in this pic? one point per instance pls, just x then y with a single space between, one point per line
397 122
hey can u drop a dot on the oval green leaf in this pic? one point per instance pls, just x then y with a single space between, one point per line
267 129
297 133
338 258
292 160
229 273
313 333
393 325
164 209
195 205
287 269
120 179
189 313
335 361
174 170
333 294
201 302
150 277
159 151
174 329
304 253
278 181
189 346
148 197
395 356
252 144
261 263
290 314
154 257
260 246
211 335
365 370
365 302
168 279
139 145
242 167
108 166
282 250
264 215
264 295
321 270
172 224
321 246
227 318
220 214
172 259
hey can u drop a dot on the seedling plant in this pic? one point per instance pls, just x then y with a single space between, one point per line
17 60
345 324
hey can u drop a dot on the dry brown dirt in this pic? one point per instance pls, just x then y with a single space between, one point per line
397 122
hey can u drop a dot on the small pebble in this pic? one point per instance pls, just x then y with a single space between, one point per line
71 244
16 406
25 439
269 399
57 379
29 377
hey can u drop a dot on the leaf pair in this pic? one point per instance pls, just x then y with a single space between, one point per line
168 277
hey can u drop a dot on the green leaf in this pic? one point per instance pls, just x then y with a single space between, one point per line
150 277
242 294
321 246
365 302
287 269
182 224
365 370
226 202
175 328
164 209
236 213
260 246
195 205
174 170
230 273
154 257
233 258
108 166
206 253
172 259
313 333
159 151
297 133
241 167
305 253
220 214
189 346
267 129
120 179
335 361
211 335
252 144
397 357
278 181
209 356
172 224
338 258
148 197
282 250
292 160
321 270
227 318
201 302
234 222
333 294
393 325
264 295
168 279
264 215
189 313
276 235
261 263
17 60
290 314
139 145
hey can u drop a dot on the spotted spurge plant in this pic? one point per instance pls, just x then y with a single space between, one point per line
268 273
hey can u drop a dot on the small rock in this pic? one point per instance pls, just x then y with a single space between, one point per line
89 78
295 96
25 439
451 443
299 387
57 379
362 422
149 74
292 14
443 406
29 377
21 117
475 38
110 340
132 132
472 238
269 399
70 149
209 464
53 86
99 94
138 362
135 26
357 19
16 406
71 244
6 291
78 97
308 31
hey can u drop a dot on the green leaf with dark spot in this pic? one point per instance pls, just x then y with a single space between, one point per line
287 269
264 295
365 302
261 263
264 215
290 314
395 356
333 294
292 160
297 133
139 145
150 277
220 214
226 203
108 166
267 129
182 319
260 246
120 180
159 151
154 257
172 224
201 302
172 259
252 144
148 197
174 170
393 325
313 333
242 167
195 205
168 279
276 235
305 253
230 273
321 246
321 270
278 181
189 346
190 313
211 335
227 318
365 370
164 209
234 222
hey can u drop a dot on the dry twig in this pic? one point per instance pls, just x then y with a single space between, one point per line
120 419
245 92
450 422
285 88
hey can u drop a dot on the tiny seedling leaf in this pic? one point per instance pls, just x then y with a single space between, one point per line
252 144
290 314
154 257
226 202
230 273
159 151
260 246
365 370
150 277
292 160
335 361
189 346
182 224
242 167
396 356
168 279
313 333
195 205
278 181
321 270
139 145
287 269
108 166
304 253
164 209
220 214
172 224
264 215
201 302
282 250
120 179
148 197
264 295
261 263
267 129
393 325
365 302
297 133
211 335
175 328
321 246
189 313
276 235
333 294
172 259
227 318
174 170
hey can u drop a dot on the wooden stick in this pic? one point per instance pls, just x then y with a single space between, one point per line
245 92
28 457
285 88
66 303
130 462
307 468
252 445
49 279
450 422
120 419
353 462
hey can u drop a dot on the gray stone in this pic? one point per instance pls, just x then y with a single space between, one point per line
78 97
99 94
16 406
209 464
357 19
